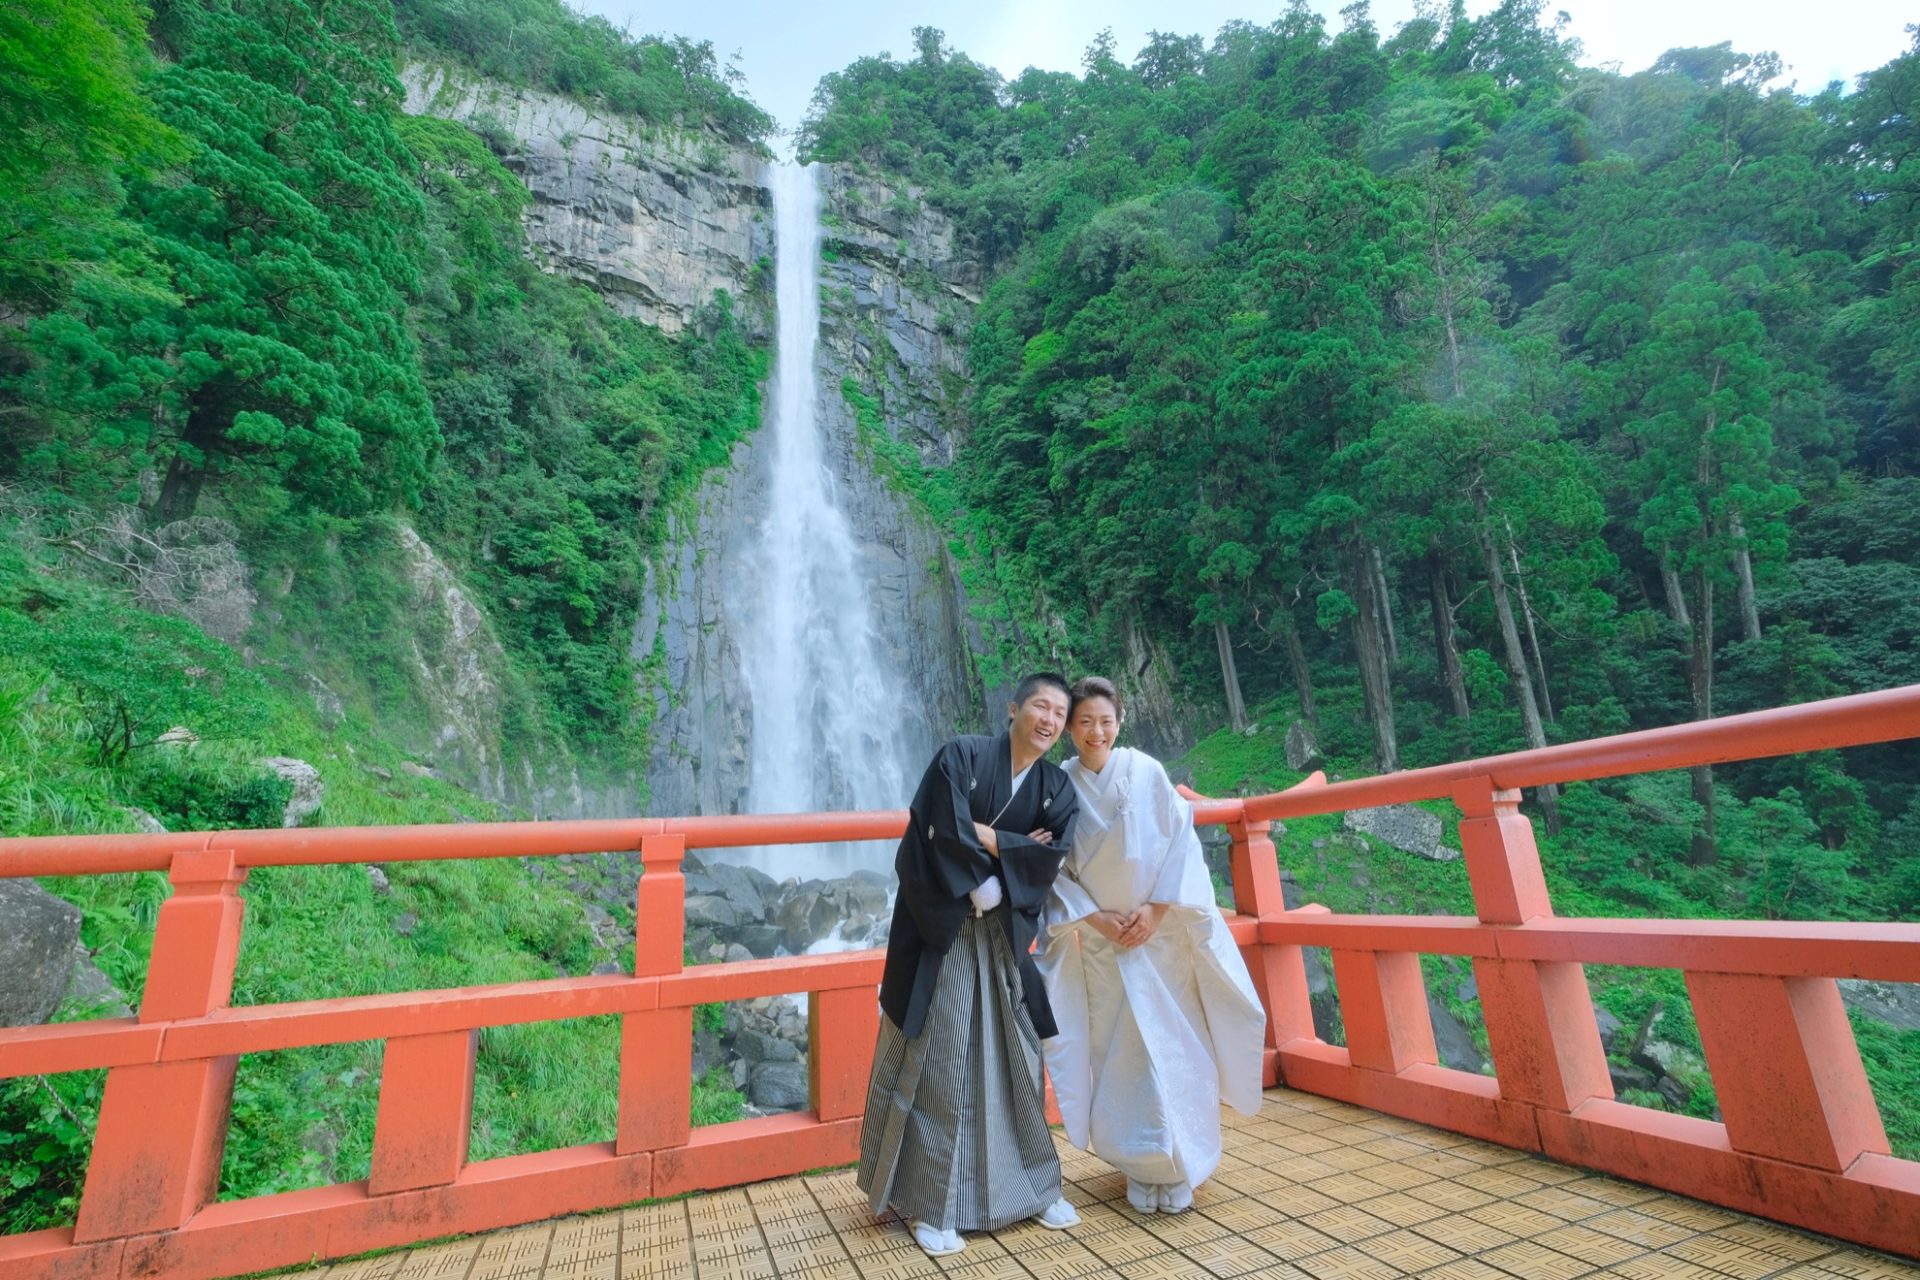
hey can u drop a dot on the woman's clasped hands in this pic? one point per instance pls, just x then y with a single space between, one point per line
1129 928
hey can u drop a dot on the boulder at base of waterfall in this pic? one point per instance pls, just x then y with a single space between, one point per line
761 940
1405 827
778 1086
308 790
1303 753
707 1052
38 933
747 889
759 1046
813 912
712 912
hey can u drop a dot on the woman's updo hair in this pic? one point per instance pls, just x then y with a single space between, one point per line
1094 687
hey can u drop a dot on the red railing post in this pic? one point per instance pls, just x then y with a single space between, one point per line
1540 1023
656 1046
163 1125
842 1027
426 1111
1383 1006
1786 1069
1279 972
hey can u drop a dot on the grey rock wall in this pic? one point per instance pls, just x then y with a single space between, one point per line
655 221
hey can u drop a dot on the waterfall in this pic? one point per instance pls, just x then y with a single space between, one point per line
827 714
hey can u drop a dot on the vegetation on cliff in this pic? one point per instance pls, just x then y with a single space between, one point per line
240 285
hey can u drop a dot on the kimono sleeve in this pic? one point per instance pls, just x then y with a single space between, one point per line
1183 879
958 861
1070 903
1028 866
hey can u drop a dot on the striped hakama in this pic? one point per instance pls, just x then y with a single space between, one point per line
956 1125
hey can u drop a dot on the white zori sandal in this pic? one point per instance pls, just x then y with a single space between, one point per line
1175 1197
938 1242
1143 1196
1059 1215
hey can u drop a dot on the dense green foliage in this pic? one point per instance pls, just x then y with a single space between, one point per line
256 323
1470 397
70 97
664 80
319 315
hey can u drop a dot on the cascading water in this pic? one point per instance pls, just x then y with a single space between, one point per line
827 713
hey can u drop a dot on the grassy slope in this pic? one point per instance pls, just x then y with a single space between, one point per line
305 1117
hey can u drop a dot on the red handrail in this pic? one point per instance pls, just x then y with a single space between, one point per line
1859 720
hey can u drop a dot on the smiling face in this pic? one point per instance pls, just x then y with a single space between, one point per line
1094 727
1036 723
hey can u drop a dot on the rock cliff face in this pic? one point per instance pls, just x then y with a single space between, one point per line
655 222
897 290
458 671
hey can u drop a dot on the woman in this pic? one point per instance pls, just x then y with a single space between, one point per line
1158 1017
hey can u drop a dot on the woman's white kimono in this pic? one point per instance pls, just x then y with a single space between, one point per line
1153 1037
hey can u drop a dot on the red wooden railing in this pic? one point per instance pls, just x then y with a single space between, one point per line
1802 1139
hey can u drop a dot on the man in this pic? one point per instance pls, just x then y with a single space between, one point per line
955 1137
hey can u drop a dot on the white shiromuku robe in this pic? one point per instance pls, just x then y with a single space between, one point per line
1152 1037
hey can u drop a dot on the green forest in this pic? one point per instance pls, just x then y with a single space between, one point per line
1459 397
1427 388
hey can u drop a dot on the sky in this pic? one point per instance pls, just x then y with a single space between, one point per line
785 47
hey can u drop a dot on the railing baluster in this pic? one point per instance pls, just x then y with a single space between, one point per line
426 1111
1383 1004
656 1047
1539 1016
1279 972
163 1125
1786 1068
841 1029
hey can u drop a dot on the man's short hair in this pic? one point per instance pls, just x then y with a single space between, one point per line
1038 680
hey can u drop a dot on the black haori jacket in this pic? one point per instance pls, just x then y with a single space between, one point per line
941 861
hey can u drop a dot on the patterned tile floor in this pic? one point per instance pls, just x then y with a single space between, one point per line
1310 1188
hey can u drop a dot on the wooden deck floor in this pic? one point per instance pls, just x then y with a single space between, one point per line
1309 1188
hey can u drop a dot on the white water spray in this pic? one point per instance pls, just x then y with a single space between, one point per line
827 713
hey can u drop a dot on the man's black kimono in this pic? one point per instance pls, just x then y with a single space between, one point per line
941 860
